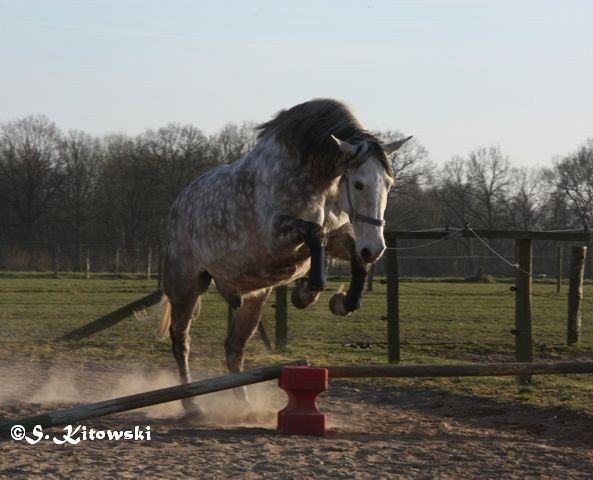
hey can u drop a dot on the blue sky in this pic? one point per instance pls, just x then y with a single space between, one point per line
454 73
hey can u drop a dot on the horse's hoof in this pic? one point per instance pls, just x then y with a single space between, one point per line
194 413
297 299
336 304
301 298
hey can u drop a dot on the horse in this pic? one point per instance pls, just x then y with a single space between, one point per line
315 183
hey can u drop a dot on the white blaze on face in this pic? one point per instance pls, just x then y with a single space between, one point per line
369 186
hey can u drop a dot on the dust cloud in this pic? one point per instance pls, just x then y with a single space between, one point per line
61 386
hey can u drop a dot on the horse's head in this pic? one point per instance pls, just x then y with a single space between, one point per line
363 193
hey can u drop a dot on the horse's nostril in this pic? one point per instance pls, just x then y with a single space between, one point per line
365 253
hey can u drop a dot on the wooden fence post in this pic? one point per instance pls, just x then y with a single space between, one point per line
87 264
57 260
281 317
148 263
559 277
116 264
160 265
523 329
575 295
370 278
393 354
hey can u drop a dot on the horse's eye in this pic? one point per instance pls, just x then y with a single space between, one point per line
358 185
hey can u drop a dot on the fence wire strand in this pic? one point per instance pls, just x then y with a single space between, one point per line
434 242
487 245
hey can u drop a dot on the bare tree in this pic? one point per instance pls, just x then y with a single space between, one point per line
82 159
489 174
413 171
30 169
456 192
173 155
474 190
573 181
457 198
233 141
411 163
125 196
527 200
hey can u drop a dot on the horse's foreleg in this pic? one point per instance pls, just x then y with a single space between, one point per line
341 245
343 303
293 231
245 321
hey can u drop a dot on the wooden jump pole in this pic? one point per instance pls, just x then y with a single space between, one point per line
112 318
145 399
472 370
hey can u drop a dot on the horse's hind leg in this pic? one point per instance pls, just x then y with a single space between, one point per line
245 321
182 307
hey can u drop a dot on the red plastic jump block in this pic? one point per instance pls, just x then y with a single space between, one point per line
301 416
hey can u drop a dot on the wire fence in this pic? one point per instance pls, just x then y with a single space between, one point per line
440 258
95 258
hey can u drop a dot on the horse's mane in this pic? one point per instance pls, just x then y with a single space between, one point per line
306 129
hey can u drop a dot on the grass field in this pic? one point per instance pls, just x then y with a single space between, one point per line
440 323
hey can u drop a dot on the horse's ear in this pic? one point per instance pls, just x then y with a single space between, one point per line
389 148
346 147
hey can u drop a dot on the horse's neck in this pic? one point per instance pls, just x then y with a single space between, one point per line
283 183
274 165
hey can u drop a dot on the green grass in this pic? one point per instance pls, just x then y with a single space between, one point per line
440 323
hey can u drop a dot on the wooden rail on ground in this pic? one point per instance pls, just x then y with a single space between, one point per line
145 399
112 318
473 370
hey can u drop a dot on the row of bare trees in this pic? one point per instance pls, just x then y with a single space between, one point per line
73 187
486 190
70 188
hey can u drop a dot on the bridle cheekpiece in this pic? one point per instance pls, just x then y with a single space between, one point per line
353 215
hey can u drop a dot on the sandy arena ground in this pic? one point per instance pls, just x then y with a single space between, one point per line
376 432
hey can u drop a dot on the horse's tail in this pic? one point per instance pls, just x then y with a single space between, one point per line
165 314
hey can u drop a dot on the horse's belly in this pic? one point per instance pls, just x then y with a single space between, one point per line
263 271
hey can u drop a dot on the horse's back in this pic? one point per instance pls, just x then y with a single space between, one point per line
224 220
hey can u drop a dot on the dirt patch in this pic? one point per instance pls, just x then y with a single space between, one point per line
376 432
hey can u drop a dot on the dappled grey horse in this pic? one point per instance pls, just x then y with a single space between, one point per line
315 182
